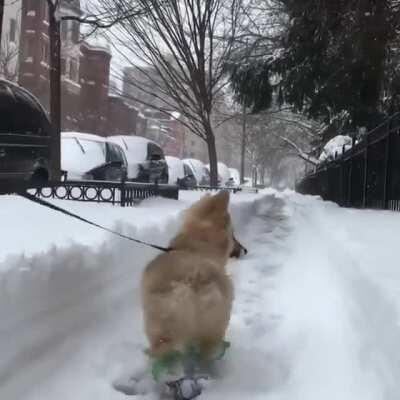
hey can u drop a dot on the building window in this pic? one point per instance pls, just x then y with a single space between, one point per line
13 29
73 70
63 66
64 30
29 48
30 5
45 11
75 32
45 52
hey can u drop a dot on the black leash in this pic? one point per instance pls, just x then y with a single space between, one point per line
69 213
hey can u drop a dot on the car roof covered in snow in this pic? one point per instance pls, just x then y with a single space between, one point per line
194 161
83 136
135 147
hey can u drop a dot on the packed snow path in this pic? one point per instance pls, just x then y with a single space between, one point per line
316 313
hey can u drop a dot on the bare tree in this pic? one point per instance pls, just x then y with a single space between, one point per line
273 138
181 47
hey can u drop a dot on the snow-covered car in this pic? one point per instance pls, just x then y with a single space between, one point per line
25 132
235 176
85 156
224 175
248 182
179 173
198 170
175 169
146 160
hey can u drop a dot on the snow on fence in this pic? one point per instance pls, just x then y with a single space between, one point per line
365 176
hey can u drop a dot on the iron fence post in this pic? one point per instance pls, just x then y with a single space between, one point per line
365 177
350 177
386 178
123 192
156 188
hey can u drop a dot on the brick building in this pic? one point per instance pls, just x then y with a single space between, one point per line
122 117
85 68
94 75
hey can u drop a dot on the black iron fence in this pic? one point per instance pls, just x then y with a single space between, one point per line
117 193
365 176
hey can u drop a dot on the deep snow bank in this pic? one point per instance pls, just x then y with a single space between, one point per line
53 303
316 311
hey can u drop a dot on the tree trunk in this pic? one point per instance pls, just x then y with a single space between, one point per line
1 18
55 93
262 175
243 146
212 155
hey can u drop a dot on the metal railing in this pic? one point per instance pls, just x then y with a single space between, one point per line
116 193
365 176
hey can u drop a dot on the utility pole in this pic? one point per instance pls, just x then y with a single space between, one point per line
243 146
55 88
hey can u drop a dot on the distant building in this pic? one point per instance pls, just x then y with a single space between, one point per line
122 117
194 147
166 130
94 79
85 67
137 78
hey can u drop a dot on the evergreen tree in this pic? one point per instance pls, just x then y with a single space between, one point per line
333 60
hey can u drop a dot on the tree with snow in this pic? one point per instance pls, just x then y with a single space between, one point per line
329 60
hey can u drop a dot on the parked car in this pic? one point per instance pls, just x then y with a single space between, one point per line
179 173
224 175
190 180
235 177
198 170
85 156
146 160
25 132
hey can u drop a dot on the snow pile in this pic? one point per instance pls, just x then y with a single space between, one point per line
335 146
71 314
316 312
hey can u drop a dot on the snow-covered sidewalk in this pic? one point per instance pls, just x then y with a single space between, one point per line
316 313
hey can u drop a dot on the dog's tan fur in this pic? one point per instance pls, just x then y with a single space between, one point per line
187 295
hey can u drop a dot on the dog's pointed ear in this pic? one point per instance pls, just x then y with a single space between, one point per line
221 200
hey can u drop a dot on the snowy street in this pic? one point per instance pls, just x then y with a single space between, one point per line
316 311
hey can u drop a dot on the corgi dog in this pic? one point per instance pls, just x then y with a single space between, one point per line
186 293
